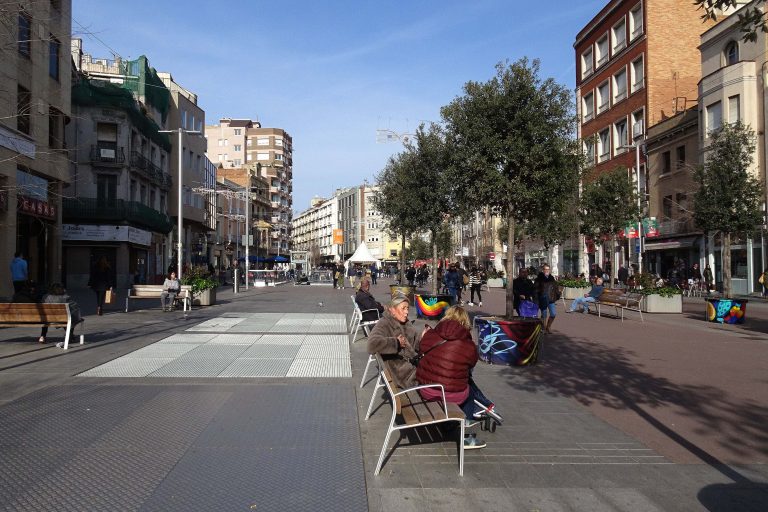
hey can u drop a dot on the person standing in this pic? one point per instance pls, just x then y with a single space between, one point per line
623 275
522 289
100 282
19 272
374 273
340 276
475 282
351 273
708 277
452 283
548 293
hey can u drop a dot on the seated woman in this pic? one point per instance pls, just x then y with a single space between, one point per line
171 288
371 308
448 356
396 341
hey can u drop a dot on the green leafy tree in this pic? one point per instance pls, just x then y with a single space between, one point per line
398 200
729 196
751 19
608 205
419 249
512 135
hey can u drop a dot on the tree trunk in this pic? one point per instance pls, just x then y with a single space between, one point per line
613 261
726 251
402 260
510 305
434 263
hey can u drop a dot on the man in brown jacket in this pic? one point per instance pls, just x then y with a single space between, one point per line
396 341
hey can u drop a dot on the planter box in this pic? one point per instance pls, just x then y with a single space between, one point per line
727 311
509 342
432 306
572 293
657 304
205 298
497 282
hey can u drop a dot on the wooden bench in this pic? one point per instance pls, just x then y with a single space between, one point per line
153 291
410 410
621 300
18 314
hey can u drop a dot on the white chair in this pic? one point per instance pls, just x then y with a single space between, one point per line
357 320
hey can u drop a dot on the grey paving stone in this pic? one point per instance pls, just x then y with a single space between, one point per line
246 367
403 500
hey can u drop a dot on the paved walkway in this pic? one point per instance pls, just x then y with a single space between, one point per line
663 415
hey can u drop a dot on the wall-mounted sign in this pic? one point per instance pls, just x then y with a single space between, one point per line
338 236
86 232
36 207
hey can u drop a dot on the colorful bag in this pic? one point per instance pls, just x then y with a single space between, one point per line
528 309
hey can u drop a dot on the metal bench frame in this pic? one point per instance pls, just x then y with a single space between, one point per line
69 325
400 398
184 295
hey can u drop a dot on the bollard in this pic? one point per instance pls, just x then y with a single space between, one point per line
236 281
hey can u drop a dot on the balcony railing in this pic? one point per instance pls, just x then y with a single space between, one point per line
152 172
101 154
676 227
116 210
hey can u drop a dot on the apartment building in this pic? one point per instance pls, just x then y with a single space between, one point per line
732 88
35 77
313 228
117 205
637 64
244 142
198 175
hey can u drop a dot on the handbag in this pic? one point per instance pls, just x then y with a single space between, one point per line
762 278
109 296
528 309
415 360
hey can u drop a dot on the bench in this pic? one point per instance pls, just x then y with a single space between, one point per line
621 300
153 291
410 410
29 314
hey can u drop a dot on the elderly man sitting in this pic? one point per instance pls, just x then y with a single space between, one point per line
396 341
368 305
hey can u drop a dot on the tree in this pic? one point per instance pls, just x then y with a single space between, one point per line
398 201
418 249
608 205
751 19
729 196
512 134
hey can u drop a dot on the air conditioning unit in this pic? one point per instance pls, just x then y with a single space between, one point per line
637 130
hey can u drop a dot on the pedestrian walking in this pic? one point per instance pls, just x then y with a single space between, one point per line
340 276
463 281
763 279
451 281
548 294
708 277
101 281
522 289
351 273
374 273
475 282
19 272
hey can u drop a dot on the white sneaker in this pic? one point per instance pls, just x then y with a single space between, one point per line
481 304
470 304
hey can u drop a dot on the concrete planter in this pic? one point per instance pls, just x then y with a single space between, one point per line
657 304
572 293
727 311
496 282
205 298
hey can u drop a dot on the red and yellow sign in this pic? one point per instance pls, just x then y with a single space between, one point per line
338 236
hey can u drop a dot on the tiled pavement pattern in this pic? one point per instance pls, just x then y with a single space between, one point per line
243 345
123 447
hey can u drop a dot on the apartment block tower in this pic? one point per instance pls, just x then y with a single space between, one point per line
269 151
637 64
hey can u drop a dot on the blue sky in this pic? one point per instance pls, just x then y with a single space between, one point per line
333 72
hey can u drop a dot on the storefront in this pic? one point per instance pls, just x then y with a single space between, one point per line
36 236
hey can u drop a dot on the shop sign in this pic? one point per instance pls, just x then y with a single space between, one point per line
651 227
630 231
36 207
338 236
85 232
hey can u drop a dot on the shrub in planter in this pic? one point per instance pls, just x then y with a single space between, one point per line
667 299
572 288
200 281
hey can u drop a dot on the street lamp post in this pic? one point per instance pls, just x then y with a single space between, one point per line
179 220
638 143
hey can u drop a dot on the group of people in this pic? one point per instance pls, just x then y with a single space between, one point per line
536 297
354 274
445 355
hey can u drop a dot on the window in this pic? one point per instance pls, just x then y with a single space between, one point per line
55 128
679 157
238 147
278 141
279 157
638 124
604 145
106 189
134 187
620 85
152 199
238 162
226 142
619 36
667 207
638 74
25 34
589 150
602 51
587 64
192 121
714 117
636 22
221 157
620 136
262 141
249 142
666 162
261 155
238 131
731 53
143 194
602 97
54 52
184 119
589 106
733 109
23 107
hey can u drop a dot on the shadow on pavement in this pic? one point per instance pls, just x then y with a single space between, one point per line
730 497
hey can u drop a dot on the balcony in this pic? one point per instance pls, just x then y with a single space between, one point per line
92 210
150 171
677 227
107 155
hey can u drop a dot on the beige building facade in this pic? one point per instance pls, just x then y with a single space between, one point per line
35 77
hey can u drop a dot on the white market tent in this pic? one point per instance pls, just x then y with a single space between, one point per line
362 255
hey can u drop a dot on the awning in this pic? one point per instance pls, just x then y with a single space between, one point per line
670 243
